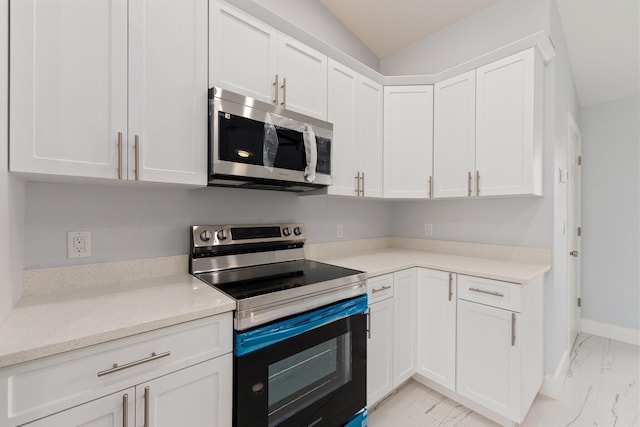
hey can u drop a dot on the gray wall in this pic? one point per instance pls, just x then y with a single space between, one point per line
11 196
611 212
491 28
134 222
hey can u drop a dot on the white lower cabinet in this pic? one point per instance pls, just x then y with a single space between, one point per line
180 375
391 350
437 326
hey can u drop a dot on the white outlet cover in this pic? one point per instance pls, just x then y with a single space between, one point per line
71 244
339 231
428 229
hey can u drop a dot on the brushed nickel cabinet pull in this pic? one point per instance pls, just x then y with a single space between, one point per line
146 407
513 329
119 155
574 253
137 150
450 283
430 187
496 294
276 90
117 368
469 183
362 188
284 92
125 410
357 178
477 183
384 288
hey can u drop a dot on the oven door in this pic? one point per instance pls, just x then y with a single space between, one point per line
313 375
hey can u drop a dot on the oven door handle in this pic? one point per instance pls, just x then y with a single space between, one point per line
263 336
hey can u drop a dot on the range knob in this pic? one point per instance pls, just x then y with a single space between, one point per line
297 231
206 235
222 235
286 231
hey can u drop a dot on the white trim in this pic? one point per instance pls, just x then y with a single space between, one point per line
552 385
614 332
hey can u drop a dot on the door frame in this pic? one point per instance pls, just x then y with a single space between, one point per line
574 216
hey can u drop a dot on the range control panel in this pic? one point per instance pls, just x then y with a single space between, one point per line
215 235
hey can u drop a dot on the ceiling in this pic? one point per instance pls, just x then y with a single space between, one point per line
603 36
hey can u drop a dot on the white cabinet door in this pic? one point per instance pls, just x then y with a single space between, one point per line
200 395
343 113
168 91
304 78
408 141
489 358
68 86
243 53
404 325
114 410
454 136
437 326
508 126
380 351
370 95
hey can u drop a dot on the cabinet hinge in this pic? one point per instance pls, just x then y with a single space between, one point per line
579 231
579 160
579 302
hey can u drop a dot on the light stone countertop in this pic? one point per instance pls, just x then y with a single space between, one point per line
387 260
46 324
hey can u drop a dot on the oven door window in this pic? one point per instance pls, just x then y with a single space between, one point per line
308 376
316 378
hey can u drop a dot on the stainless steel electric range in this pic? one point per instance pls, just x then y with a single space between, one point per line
300 326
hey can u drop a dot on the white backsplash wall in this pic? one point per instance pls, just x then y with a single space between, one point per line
134 222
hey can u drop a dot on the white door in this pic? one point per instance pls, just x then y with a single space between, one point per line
304 78
114 410
370 95
404 325
343 113
574 230
68 86
437 326
168 91
488 369
408 141
454 136
380 351
243 53
200 395
505 125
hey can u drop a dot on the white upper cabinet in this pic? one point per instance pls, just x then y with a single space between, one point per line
68 86
70 76
454 136
253 59
243 53
509 106
168 91
408 141
343 113
355 109
370 96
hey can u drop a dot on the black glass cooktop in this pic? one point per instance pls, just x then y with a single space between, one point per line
240 283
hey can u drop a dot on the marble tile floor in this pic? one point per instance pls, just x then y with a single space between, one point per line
601 390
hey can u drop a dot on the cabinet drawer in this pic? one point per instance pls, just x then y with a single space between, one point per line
490 292
380 287
34 389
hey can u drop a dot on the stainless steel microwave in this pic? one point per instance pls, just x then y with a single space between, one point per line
257 145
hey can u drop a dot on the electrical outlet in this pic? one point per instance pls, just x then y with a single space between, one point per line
428 229
339 231
78 244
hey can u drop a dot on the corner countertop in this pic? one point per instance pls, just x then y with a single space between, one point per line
51 323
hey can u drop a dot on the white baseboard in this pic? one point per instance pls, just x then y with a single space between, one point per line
619 333
552 384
